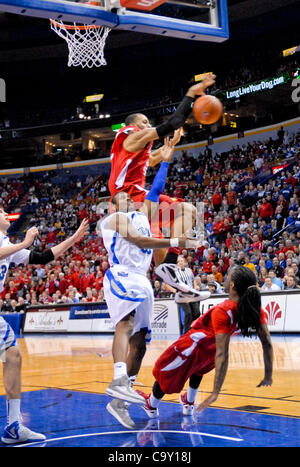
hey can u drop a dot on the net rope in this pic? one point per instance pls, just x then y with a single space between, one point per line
85 43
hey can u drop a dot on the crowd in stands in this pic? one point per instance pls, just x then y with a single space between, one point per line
251 217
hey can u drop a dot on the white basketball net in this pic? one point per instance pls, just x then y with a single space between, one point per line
85 42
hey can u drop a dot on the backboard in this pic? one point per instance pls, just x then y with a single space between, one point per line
200 20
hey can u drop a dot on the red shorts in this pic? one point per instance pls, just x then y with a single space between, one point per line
164 217
193 353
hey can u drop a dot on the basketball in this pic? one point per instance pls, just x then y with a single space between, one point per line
207 109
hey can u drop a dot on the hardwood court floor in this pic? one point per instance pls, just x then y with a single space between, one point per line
83 364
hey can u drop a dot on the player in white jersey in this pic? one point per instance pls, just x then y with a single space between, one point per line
15 431
127 290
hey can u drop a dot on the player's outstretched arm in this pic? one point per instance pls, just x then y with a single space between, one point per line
264 336
10 250
37 257
62 247
121 224
137 140
221 365
150 204
157 156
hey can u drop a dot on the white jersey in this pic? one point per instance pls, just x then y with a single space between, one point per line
121 251
20 257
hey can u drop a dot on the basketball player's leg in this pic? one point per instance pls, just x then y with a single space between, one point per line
15 431
120 387
184 221
137 350
121 338
122 309
186 399
180 217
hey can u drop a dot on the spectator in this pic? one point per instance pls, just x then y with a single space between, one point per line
269 286
290 283
157 289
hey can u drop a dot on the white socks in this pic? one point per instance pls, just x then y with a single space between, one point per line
120 369
13 410
191 394
153 401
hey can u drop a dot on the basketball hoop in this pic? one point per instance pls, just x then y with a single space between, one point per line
85 42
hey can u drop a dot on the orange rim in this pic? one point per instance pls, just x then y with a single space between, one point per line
72 27
81 27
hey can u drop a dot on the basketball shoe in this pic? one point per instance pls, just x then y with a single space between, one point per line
167 272
152 412
187 407
18 433
120 388
185 294
119 409
191 296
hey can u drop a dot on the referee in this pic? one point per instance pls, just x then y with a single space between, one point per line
191 310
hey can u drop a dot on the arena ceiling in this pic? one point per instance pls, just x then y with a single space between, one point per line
33 59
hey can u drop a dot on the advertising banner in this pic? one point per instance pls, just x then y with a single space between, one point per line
281 311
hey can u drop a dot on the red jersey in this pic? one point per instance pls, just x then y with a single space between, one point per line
195 351
128 169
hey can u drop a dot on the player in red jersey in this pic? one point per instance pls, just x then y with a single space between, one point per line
131 155
206 345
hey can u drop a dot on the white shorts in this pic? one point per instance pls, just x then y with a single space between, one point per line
126 291
7 338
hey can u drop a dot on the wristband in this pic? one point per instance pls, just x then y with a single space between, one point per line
174 242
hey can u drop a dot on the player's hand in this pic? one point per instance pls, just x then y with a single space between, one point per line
177 136
82 230
30 236
265 382
206 403
186 242
198 89
167 150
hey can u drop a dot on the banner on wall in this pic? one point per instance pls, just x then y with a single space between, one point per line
281 311
94 317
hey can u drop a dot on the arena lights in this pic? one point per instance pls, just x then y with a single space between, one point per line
202 76
93 98
291 51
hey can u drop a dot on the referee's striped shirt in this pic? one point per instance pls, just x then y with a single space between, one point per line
186 276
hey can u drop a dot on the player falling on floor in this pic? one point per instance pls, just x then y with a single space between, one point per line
127 290
15 431
131 155
206 346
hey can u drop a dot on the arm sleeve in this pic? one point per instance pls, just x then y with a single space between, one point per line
158 184
178 118
36 257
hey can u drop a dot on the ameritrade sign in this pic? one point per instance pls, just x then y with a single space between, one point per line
255 87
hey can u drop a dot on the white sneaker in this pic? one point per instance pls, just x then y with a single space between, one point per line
120 388
119 410
167 272
192 296
18 433
187 407
150 411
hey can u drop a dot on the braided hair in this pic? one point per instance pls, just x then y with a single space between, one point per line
249 304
